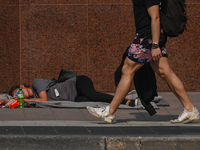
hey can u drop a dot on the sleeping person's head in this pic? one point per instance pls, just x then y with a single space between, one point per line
13 91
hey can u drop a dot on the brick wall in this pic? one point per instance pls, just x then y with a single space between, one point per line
40 37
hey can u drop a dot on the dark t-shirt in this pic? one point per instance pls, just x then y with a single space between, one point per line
61 91
38 86
142 18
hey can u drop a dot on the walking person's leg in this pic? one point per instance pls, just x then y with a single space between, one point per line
163 69
128 71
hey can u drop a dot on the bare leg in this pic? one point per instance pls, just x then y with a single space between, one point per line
128 71
163 69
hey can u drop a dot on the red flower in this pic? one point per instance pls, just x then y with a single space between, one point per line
142 56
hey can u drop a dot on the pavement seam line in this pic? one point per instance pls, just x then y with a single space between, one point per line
105 143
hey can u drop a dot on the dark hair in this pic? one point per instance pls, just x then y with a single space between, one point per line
13 88
16 87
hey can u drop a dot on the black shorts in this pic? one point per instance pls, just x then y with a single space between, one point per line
140 49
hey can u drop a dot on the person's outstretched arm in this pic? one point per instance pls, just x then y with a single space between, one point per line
4 101
42 97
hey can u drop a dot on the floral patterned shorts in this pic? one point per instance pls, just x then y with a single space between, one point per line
140 49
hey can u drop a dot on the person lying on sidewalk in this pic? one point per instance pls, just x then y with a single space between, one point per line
78 89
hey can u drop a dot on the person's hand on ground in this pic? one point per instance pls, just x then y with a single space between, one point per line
128 100
2 103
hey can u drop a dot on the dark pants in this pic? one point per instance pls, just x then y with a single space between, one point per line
86 91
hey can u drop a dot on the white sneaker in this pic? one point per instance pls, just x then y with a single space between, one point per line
187 116
102 113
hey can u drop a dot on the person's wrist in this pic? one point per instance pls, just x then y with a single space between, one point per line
155 46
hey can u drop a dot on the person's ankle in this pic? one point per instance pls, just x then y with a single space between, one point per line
191 108
111 111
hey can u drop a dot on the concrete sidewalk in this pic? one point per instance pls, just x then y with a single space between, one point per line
58 128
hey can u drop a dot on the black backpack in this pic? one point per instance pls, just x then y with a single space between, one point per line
63 76
173 17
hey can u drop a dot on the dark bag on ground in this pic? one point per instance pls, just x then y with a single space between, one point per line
63 76
173 17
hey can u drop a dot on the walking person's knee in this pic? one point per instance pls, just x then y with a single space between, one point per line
127 70
130 67
162 68
162 73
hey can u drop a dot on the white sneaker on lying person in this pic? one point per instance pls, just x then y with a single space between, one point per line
102 113
187 116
